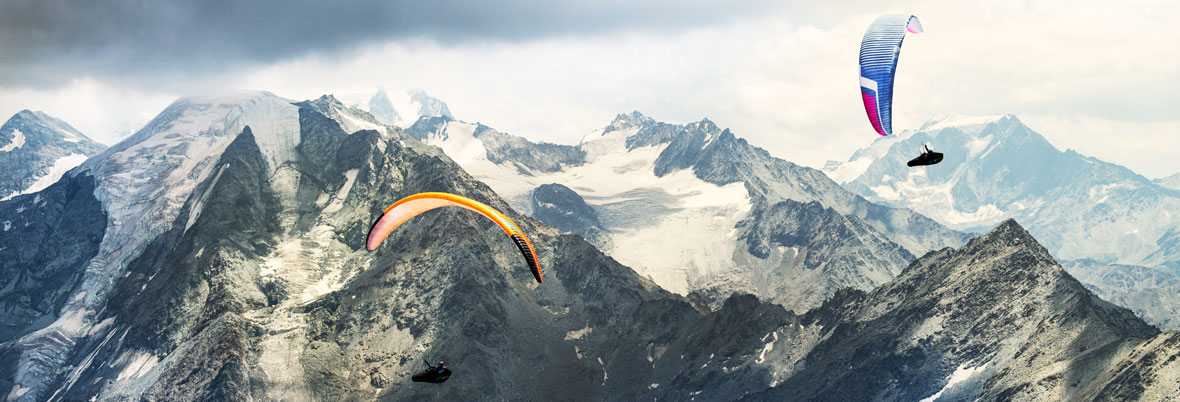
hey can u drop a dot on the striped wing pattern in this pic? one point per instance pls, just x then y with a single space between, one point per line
878 61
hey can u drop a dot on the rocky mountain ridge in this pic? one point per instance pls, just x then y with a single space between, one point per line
997 319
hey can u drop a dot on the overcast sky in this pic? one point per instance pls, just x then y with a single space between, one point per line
1098 77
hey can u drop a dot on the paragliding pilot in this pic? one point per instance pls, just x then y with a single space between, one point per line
927 157
433 373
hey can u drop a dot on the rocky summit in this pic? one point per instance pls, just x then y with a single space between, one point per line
997 319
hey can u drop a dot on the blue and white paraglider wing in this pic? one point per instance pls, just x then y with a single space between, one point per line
878 62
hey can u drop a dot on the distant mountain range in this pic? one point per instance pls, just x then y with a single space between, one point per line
725 215
400 110
36 149
997 168
1172 182
1153 294
218 254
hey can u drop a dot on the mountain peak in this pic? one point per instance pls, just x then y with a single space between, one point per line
325 103
44 119
329 98
626 120
999 308
705 125
1005 254
428 105
381 107
1010 229
1009 234
230 97
36 149
964 121
34 116
28 114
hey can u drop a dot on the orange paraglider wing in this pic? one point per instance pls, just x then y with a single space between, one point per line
411 206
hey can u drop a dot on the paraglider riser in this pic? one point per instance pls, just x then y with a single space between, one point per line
528 255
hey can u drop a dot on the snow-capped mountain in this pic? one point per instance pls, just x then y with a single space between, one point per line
429 106
36 149
995 168
400 110
725 215
218 254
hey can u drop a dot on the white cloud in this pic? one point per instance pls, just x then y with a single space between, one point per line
102 112
1095 77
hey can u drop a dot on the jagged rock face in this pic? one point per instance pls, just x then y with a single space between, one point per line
499 148
733 160
143 184
47 238
36 149
382 108
686 189
1153 294
429 106
527 156
997 168
820 249
402 109
564 209
995 320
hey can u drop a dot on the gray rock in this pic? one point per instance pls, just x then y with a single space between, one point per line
382 108
561 207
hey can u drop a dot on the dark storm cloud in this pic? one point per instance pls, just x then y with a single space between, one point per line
47 43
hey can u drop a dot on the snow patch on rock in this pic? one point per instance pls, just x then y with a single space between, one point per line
18 140
135 364
578 334
341 195
963 373
59 168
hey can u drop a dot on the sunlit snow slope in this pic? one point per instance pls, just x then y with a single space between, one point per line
695 208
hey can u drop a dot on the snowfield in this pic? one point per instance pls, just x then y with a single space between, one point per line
689 220
59 168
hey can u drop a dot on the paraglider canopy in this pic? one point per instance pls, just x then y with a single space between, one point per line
879 51
412 206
